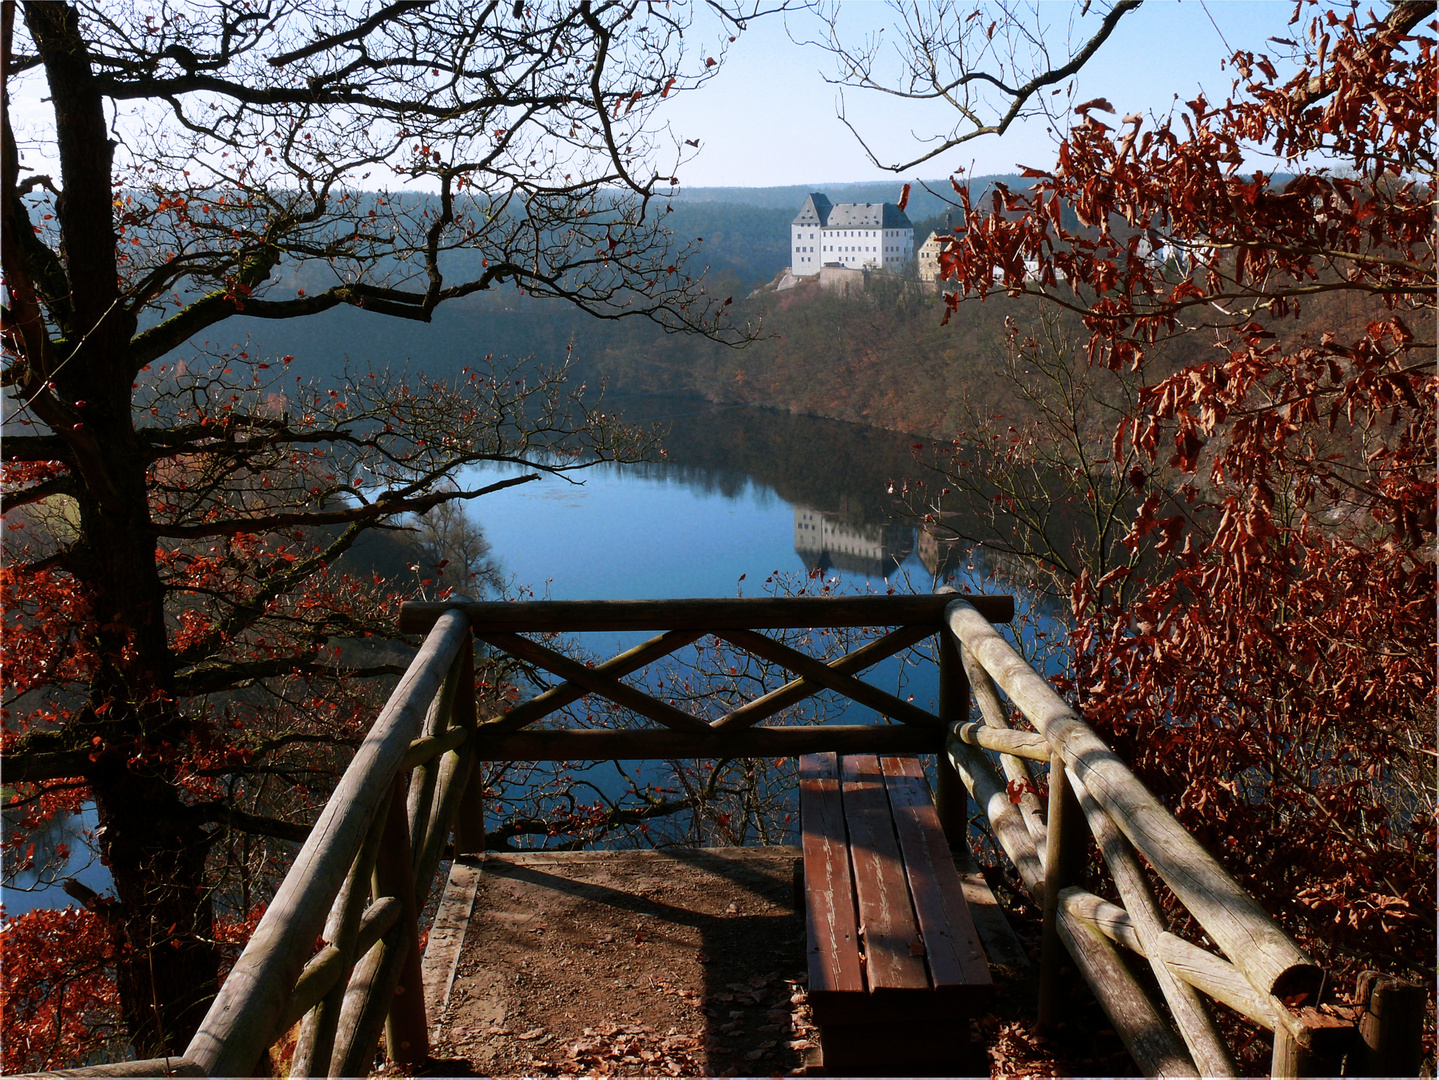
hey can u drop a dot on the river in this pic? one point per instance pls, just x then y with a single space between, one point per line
742 494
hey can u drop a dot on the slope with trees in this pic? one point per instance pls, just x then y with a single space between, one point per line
1268 665
181 646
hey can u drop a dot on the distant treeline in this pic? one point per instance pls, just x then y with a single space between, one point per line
878 357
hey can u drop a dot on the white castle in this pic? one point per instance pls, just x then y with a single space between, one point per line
857 236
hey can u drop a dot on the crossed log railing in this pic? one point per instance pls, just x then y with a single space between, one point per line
378 843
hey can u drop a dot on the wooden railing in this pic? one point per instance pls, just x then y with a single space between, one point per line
1092 793
378 842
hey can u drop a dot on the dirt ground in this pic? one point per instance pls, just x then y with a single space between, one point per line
679 963
631 963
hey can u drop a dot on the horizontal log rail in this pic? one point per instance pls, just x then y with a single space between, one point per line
414 784
704 615
569 744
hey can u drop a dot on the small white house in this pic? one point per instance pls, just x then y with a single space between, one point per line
857 236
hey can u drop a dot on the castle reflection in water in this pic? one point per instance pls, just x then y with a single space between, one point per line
827 542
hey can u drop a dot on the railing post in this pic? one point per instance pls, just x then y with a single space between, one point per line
470 821
1392 1025
426 776
951 801
406 1037
1308 1042
316 1040
386 988
1064 855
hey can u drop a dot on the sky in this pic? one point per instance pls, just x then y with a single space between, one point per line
769 117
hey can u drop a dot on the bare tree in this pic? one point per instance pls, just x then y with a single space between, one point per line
276 159
988 63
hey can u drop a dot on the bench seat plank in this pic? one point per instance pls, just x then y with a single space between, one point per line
892 986
951 942
894 954
832 937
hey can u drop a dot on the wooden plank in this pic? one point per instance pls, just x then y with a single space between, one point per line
762 708
1002 947
598 744
242 1020
831 932
447 937
1235 921
888 930
703 614
817 671
606 685
951 943
616 667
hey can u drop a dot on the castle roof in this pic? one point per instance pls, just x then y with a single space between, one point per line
867 216
817 210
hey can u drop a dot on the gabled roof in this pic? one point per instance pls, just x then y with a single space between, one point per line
815 211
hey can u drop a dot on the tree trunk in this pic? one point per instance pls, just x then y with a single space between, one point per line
168 967
131 726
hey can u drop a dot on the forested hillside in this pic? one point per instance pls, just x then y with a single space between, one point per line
878 359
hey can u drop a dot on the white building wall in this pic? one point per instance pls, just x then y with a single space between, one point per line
805 258
889 249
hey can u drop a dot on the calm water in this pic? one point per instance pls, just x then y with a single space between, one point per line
744 494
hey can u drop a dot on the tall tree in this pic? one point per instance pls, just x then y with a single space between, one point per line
1270 670
170 631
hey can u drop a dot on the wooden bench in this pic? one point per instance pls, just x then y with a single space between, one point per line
896 969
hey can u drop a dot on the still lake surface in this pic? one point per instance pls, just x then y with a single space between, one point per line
742 494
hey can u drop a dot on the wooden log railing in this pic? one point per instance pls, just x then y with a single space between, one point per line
414 784
378 842
1262 974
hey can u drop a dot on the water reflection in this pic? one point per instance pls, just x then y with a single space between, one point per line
63 848
825 542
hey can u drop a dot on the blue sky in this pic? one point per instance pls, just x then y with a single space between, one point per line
769 118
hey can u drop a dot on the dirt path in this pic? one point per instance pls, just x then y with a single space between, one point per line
631 963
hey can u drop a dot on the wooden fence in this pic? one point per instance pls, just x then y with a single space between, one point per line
413 784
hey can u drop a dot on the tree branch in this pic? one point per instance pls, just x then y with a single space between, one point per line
384 506
56 485
212 678
231 817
